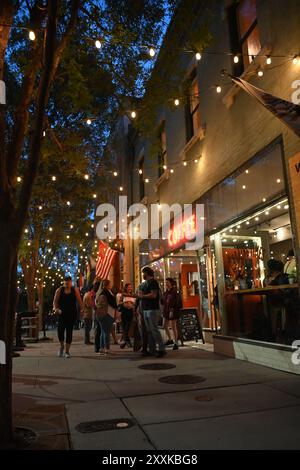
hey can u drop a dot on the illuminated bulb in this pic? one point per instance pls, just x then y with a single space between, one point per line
133 114
184 163
151 52
176 102
26 230
286 206
218 89
140 172
50 229
278 180
68 203
94 196
71 226
98 44
40 208
121 188
236 59
260 73
244 187
296 60
53 178
86 177
269 60
264 199
31 35
19 179
147 180
89 122
44 133
86 236
165 167
115 173
198 56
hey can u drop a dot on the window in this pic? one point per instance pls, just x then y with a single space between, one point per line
141 178
248 30
162 156
192 107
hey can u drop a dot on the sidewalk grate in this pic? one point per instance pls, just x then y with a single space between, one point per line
182 379
104 425
157 366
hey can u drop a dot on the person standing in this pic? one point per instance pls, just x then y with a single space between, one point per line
88 308
65 305
105 305
151 312
126 305
171 311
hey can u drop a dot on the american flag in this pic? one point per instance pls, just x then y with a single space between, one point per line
106 257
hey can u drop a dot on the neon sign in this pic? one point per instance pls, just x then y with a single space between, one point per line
183 231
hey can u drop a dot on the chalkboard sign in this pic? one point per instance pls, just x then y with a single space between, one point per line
190 326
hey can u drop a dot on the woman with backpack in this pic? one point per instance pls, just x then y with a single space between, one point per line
171 302
105 305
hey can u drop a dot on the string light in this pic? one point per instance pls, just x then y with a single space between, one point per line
19 179
121 188
68 203
260 73
147 180
296 59
95 196
176 102
236 59
89 122
86 177
219 89
98 44
31 35
184 163
140 171
198 56
53 178
269 61
133 114
152 52
115 173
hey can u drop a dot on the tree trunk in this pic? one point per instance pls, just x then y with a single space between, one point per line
8 291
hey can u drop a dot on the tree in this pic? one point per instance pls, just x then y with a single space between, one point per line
42 77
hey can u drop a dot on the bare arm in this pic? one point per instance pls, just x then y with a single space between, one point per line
78 297
56 299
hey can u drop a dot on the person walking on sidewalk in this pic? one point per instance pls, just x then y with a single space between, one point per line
105 302
171 304
151 312
88 308
126 305
65 305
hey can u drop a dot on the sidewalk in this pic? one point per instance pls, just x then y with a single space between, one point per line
231 404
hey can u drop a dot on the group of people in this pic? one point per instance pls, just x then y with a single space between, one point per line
139 312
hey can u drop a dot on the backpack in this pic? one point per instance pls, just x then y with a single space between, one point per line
101 306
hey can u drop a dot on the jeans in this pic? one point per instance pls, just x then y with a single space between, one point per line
151 318
126 319
88 322
105 324
97 327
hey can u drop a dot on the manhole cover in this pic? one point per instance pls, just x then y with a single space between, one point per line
182 379
157 366
25 436
203 398
104 425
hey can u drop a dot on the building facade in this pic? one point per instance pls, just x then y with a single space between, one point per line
221 148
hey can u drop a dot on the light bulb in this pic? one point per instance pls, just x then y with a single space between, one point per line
218 89
176 102
151 52
121 188
31 35
236 59
89 122
140 172
296 59
53 178
115 173
147 180
269 60
260 73
184 163
68 203
198 56
19 179
95 196
98 44
165 167
133 114
86 177
171 171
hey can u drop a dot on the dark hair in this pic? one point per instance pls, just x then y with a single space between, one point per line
67 278
105 283
171 281
290 254
148 271
275 265
126 285
96 284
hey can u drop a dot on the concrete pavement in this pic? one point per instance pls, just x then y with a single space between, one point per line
233 405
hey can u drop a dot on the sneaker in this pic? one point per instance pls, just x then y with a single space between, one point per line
122 345
169 342
175 347
161 353
60 352
67 355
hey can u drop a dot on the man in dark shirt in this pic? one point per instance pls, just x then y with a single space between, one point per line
151 312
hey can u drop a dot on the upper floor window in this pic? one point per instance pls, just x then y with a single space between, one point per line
192 110
248 30
162 156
